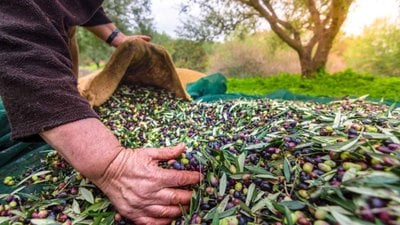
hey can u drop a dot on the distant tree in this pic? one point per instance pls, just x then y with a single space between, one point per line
376 52
189 54
307 26
91 49
130 16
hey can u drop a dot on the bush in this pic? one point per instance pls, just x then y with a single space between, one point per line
347 83
376 52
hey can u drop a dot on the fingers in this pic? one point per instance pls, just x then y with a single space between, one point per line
175 178
152 221
145 37
166 153
169 196
159 211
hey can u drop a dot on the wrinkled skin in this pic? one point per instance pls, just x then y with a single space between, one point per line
138 186
139 189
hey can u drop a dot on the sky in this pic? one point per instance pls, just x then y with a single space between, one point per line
362 13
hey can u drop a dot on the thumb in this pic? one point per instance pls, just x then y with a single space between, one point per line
166 153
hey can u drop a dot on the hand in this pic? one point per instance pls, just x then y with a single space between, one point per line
103 32
121 38
144 192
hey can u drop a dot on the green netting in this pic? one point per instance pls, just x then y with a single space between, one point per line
16 157
214 84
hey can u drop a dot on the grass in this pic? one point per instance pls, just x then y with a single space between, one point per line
337 85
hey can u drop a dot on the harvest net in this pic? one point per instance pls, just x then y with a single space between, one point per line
265 162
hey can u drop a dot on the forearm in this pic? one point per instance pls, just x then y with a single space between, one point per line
86 144
103 32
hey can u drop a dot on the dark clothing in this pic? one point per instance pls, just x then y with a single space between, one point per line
37 84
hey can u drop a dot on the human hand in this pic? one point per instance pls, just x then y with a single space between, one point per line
121 38
144 192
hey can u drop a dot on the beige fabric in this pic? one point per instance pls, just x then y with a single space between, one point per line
188 76
136 62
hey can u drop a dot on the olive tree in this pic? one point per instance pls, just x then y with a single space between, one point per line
307 26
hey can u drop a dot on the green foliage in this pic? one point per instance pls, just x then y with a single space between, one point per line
341 84
216 18
377 50
91 48
164 40
185 53
189 54
131 15
128 15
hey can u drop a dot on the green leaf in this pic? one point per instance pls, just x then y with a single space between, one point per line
75 207
18 213
215 220
381 180
344 220
256 146
257 170
259 196
375 192
17 190
4 220
350 144
331 208
244 207
200 159
221 207
250 193
222 185
267 176
390 110
294 205
98 206
210 214
109 220
86 195
229 212
262 204
349 174
44 222
241 159
285 210
38 174
338 119
392 136
287 169
343 146
3 196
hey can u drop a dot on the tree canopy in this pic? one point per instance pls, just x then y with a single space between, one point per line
130 16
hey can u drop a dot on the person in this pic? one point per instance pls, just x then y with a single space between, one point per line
39 91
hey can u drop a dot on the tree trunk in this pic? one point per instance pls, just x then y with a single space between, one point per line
311 66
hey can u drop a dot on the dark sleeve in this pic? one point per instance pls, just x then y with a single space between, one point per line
98 18
37 84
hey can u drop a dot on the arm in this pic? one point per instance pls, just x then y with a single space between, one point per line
137 187
104 31
102 27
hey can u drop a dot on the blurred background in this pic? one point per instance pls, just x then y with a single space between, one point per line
331 48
